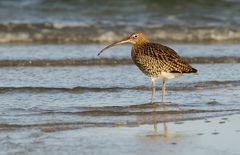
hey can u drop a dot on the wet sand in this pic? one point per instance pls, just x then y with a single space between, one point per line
218 135
109 61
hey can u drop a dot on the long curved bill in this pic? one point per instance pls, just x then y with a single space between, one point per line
126 40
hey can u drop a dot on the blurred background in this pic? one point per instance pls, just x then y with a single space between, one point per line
91 21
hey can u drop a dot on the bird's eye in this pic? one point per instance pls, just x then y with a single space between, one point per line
135 36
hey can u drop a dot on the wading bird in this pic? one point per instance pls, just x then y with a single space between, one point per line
155 60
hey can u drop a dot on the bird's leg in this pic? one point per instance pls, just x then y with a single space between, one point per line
153 90
163 91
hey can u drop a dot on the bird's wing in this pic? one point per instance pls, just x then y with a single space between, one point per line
167 59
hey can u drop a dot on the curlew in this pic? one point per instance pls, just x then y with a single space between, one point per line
155 60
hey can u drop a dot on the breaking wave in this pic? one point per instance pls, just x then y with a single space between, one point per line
60 33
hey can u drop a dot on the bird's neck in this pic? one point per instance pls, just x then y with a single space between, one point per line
139 45
137 49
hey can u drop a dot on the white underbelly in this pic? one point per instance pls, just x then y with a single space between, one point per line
167 76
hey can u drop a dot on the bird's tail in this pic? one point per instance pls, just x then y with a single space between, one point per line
193 70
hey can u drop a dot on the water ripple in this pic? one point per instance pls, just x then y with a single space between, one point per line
206 85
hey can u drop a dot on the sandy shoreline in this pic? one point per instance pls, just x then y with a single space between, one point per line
218 135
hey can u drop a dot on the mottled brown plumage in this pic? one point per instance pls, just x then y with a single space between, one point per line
155 60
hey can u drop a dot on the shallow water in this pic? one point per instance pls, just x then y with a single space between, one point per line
43 105
66 91
89 51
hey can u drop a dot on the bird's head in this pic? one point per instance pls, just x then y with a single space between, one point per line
134 38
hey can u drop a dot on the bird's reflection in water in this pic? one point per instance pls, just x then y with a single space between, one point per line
166 135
